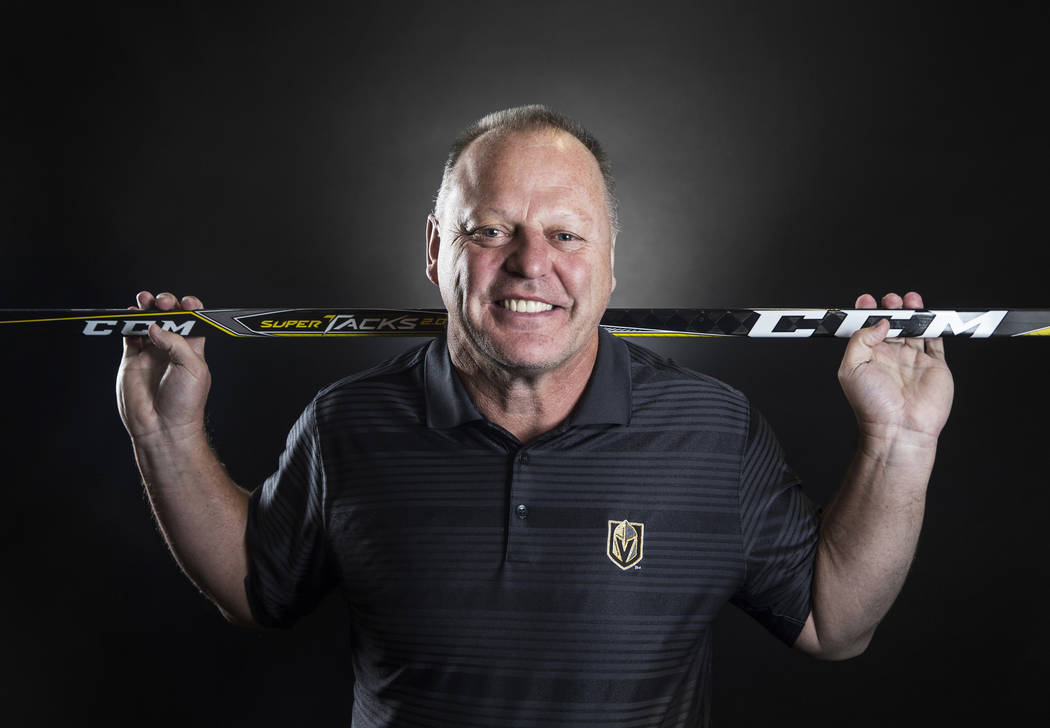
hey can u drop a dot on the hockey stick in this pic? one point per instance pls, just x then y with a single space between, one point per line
667 322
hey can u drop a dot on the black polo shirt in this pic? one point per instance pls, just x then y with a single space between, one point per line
571 581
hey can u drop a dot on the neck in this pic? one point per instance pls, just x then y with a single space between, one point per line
526 403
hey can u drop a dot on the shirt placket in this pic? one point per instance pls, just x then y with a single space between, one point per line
520 505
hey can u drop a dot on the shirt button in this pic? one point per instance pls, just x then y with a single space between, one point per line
523 458
523 511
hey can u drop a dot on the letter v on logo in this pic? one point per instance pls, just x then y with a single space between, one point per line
625 542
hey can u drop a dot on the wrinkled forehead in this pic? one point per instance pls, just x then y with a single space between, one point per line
544 165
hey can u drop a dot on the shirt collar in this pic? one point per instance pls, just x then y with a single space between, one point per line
606 400
448 404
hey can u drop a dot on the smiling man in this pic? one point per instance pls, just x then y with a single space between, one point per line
521 245
532 522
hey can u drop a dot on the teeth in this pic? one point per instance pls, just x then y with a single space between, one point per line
520 305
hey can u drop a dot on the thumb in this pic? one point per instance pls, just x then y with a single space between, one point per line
875 335
862 342
175 346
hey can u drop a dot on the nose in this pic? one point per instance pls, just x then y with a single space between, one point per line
530 256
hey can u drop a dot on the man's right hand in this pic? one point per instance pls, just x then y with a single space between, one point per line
162 387
163 381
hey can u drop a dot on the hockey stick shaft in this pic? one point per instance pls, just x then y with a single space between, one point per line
776 323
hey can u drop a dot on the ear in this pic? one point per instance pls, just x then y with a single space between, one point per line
612 262
433 246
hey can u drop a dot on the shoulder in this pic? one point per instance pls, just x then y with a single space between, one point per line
386 388
662 379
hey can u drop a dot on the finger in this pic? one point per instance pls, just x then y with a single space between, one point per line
197 344
192 303
935 348
167 301
892 300
133 344
145 300
865 300
913 300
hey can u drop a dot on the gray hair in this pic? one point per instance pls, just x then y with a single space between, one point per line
534 117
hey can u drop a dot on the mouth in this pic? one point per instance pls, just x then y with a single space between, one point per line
522 305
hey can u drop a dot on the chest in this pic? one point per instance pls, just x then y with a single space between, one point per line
414 517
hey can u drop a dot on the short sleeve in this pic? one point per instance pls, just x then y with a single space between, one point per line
780 526
285 537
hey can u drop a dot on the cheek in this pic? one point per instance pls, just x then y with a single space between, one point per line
450 275
468 271
587 277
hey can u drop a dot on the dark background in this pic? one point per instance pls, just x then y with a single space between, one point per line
767 154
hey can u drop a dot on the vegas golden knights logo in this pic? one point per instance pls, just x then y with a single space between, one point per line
625 543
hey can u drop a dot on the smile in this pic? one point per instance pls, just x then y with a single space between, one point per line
520 305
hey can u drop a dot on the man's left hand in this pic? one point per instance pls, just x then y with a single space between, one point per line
901 392
898 387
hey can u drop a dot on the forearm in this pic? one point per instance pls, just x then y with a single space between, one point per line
868 539
202 514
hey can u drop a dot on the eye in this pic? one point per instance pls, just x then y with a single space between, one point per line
485 231
484 234
566 240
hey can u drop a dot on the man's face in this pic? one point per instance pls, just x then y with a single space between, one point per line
523 251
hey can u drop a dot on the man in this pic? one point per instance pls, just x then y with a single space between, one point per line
532 522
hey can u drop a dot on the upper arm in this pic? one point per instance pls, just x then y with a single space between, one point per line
285 539
779 530
808 641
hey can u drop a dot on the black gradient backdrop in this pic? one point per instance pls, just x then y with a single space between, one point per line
768 154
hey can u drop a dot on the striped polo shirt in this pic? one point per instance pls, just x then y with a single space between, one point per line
569 581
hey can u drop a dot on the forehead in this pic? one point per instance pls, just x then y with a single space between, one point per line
544 166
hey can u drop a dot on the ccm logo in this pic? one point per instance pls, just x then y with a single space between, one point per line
979 324
98 327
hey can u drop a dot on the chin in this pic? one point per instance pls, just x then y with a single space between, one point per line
524 358
536 353
516 350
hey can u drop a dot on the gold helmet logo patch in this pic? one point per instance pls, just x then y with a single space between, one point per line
625 543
